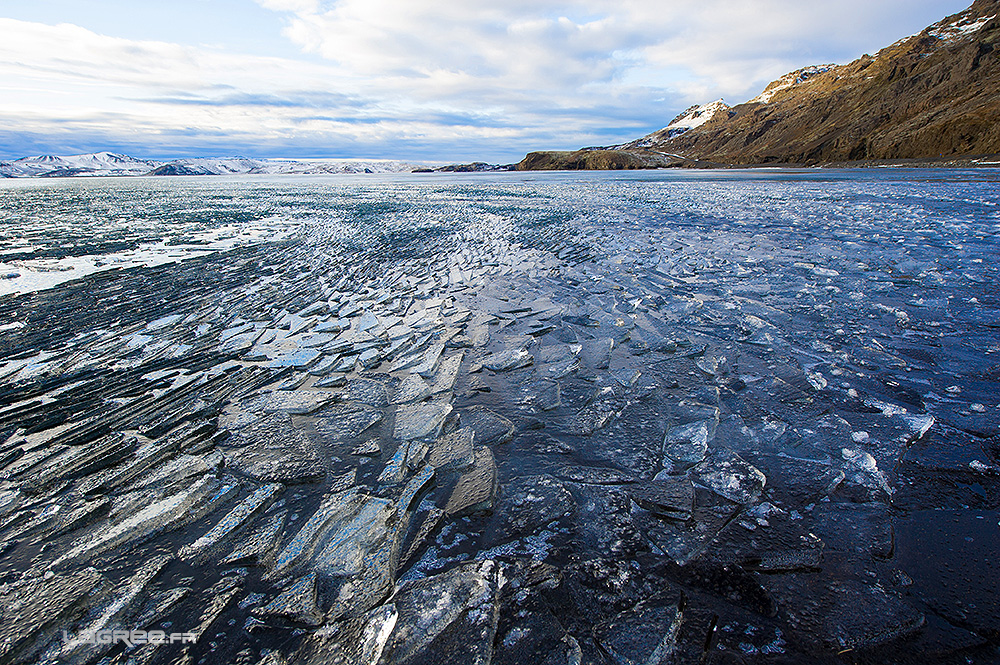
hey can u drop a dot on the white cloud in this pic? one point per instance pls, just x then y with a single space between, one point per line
480 80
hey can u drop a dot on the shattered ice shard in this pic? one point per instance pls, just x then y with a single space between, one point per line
489 427
259 548
342 422
866 471
298 603
647 634
476 489
233 521
290 401
671 497
686 443
727 474
42 605
411 389
453 451
452 613
200 498
420 421
274 450
504 361
545 394
352 544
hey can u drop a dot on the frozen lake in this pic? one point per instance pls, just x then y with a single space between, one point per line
737 416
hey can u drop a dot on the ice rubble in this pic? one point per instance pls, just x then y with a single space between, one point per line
494 448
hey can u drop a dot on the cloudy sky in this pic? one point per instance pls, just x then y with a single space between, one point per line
443 80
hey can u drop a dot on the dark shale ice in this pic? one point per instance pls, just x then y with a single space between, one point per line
681 417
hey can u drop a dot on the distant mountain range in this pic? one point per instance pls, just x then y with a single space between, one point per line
931 97
112 164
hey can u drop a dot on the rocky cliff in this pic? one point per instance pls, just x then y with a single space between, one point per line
934 95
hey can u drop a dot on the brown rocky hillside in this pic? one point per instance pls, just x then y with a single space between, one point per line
929 96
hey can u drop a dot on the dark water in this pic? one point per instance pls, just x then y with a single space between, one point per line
714 417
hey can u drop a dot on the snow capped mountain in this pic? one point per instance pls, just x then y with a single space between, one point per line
97 163
789 80
112 164
208 166
695 116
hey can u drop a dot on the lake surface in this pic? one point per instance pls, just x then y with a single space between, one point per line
737 416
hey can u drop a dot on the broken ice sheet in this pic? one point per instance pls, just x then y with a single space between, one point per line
452 613
237 518
510 359
646 633
864 470
420 421
671 497
686 443
366 391
411 389
274 450
397 269
43 605
489 427
475 489
527 505
727 474
199 498
545 394
341 422
453 451
289 401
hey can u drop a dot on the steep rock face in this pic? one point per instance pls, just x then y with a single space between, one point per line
931 96
597 159
934 94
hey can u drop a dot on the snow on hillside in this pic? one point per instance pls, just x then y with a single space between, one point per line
789 80
963 27
695 116
98 163
112 164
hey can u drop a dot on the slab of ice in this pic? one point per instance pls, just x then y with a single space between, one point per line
274 451
505 361
258 548
342 422
727 474
420 421
453 613
188 505
411 389
489 427
453 451
686 443
864 469
41 605
234 520
298 603
647 634
671 497
446 374
545 394
475 489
